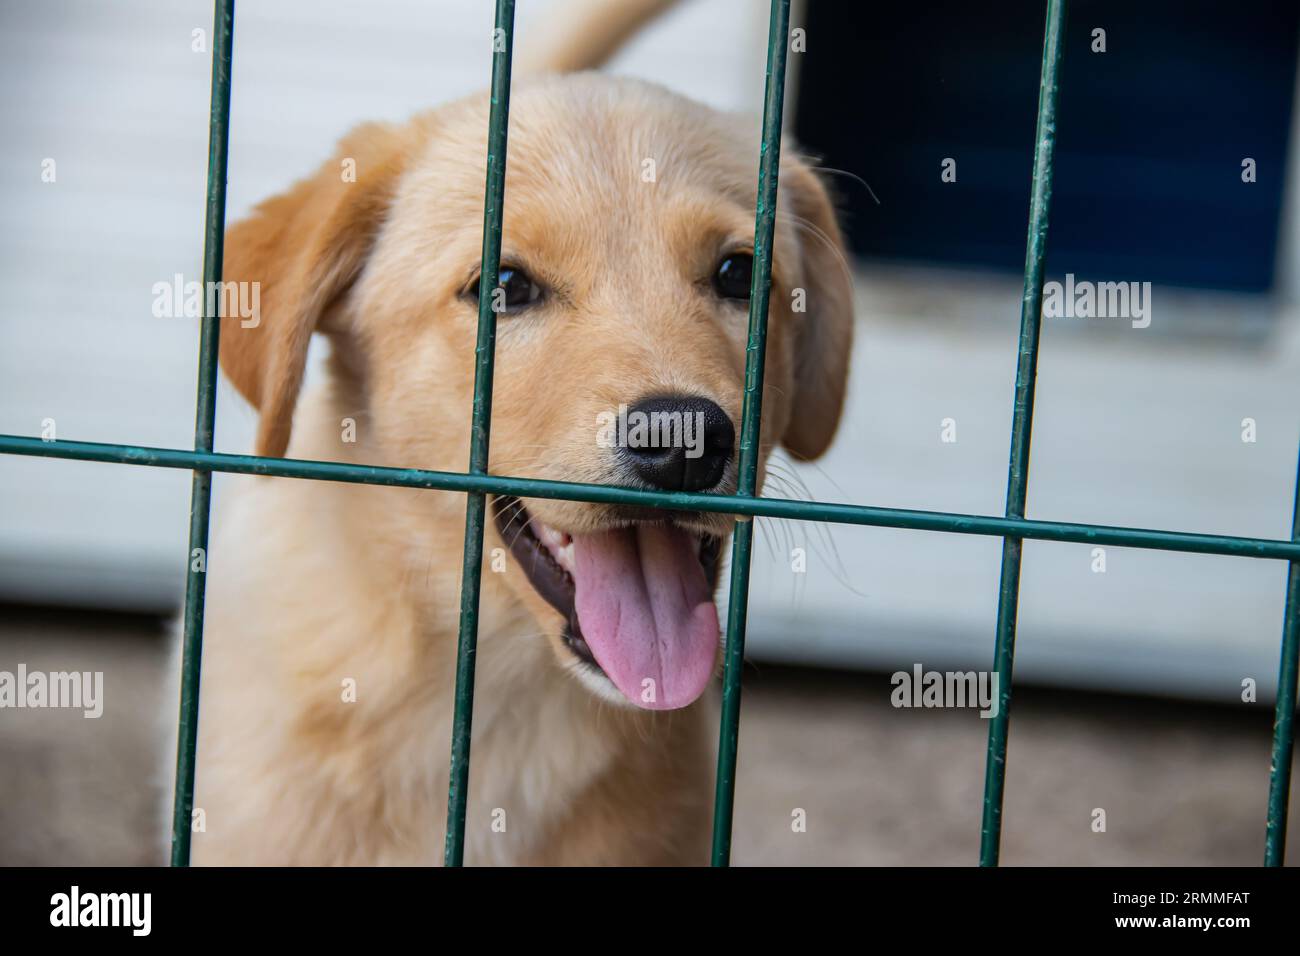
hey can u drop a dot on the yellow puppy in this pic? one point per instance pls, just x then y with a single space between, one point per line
332 609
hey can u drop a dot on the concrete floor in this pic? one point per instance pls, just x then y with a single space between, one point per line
1180 783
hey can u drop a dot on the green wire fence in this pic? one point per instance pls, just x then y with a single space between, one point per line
1022 419
1012 527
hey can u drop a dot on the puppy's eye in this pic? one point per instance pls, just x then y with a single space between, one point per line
515 290
732 279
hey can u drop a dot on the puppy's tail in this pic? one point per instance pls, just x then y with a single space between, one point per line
583 34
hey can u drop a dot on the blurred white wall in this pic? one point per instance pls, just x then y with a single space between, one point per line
1132 427
116 95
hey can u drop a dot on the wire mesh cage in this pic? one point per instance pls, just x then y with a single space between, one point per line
476 483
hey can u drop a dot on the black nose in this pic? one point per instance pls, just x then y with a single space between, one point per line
677 442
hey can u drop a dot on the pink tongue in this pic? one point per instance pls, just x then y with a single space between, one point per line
647 613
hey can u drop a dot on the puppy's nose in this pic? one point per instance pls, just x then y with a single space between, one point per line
677 442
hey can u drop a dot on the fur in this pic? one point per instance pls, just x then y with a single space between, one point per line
314 584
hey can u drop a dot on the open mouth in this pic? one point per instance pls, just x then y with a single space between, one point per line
637 600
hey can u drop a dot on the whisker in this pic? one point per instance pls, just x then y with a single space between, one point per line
819 234
854 176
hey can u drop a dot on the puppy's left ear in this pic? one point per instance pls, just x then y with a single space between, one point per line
303 250
824 332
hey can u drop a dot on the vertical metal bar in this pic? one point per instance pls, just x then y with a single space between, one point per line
1279 782
476 506
1031 306
755 356
205 418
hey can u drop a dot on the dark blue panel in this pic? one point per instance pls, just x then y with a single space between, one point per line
1152 132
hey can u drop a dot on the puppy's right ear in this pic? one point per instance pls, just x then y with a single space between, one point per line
824 333
304 249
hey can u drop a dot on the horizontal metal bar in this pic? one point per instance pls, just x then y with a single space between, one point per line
953 522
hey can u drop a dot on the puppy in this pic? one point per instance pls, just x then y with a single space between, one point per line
332 609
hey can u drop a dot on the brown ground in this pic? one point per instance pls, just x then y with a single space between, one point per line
1180 783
